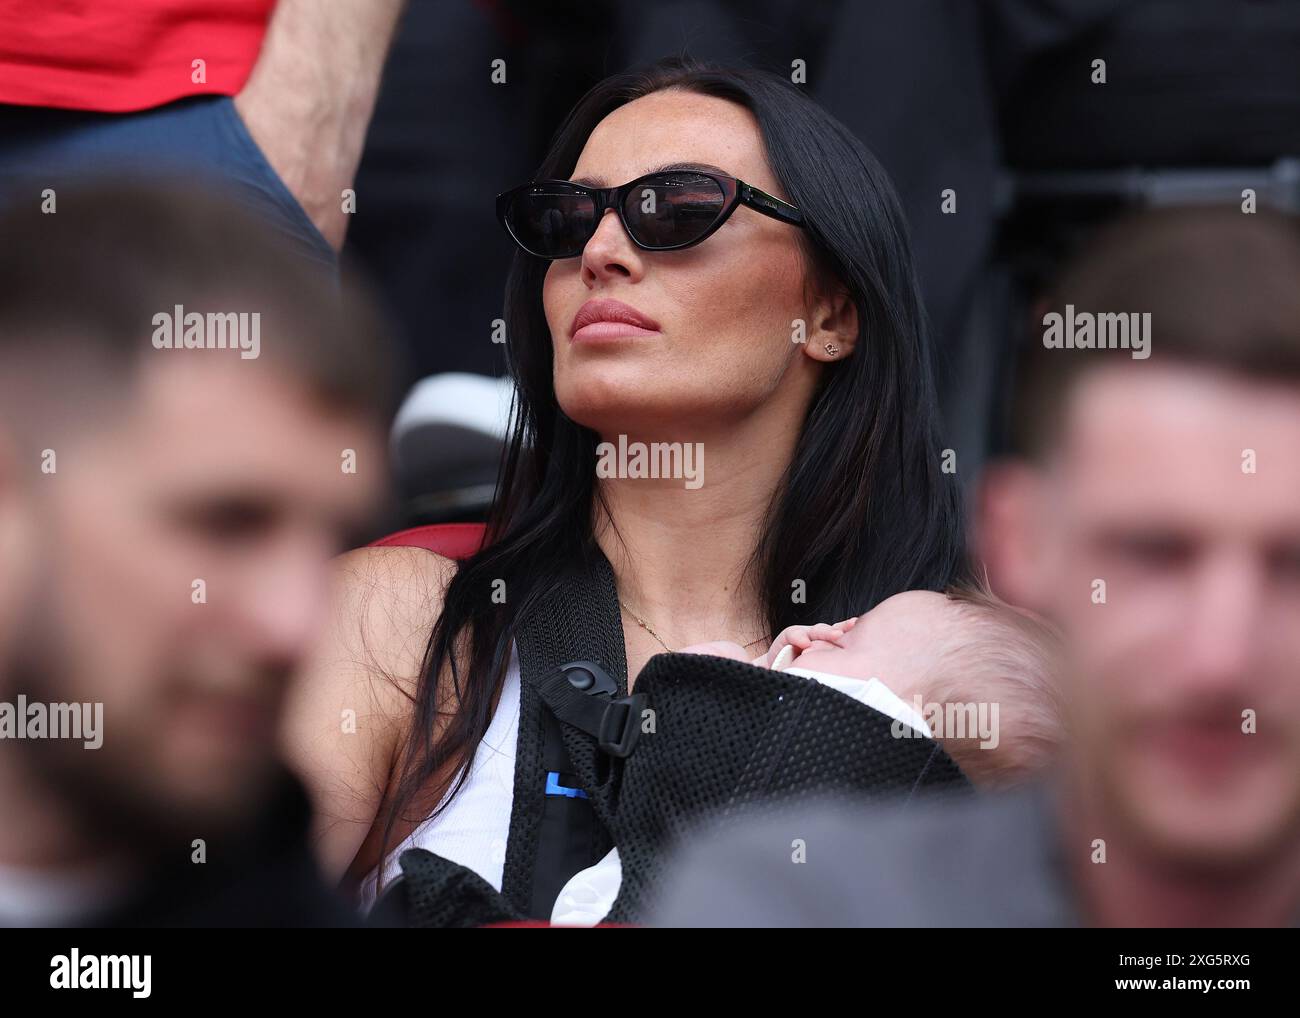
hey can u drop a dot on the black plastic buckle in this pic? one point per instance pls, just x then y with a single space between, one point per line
589 677
621 724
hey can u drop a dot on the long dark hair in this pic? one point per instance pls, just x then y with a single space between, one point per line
863 511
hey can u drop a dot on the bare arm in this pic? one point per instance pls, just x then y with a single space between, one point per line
348 712
310 97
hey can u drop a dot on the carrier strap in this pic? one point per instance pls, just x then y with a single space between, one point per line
554 831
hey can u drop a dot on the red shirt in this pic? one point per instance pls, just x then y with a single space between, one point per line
120 55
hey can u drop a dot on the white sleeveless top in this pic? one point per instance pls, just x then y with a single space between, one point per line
472 830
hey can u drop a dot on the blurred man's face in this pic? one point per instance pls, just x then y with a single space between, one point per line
179 576
1186 681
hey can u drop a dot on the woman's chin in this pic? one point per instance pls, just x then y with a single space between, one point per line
610 418
617 407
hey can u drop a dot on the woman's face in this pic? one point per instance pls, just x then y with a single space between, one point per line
723 310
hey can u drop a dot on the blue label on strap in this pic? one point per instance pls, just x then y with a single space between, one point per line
553 787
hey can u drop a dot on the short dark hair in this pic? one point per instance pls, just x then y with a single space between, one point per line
79 288
1222 287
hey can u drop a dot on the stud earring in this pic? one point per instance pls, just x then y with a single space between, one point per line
832 349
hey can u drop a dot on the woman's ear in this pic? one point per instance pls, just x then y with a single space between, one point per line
833 331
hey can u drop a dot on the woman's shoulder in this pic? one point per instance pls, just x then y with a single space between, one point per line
384 605
406 571
390 598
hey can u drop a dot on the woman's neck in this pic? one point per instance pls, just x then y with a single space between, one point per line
684 561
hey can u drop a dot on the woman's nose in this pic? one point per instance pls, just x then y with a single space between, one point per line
610 252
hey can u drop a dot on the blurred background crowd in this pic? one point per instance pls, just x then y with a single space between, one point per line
1003 162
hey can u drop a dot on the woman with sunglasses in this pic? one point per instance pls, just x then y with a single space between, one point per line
705 257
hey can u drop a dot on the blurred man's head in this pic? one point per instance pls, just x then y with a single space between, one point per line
166 515
1155 517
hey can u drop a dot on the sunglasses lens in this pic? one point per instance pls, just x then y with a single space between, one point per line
672 209
551 221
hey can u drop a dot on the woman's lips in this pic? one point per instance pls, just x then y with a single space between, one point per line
601 331
604 319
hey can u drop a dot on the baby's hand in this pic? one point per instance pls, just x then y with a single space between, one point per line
800 638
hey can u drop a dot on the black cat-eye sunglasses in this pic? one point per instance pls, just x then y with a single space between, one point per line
663 211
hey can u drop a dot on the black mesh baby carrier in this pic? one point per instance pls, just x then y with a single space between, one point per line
701 739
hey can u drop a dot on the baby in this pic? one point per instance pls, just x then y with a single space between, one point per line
964 667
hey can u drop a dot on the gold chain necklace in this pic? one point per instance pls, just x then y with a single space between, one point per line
650 629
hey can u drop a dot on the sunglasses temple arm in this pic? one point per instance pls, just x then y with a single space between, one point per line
770 205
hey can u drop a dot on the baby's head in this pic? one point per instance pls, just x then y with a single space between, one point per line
982 673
